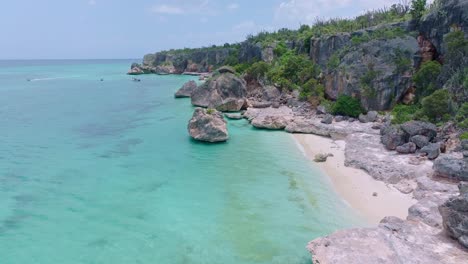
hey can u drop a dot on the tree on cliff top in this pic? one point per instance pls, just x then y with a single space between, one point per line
417 9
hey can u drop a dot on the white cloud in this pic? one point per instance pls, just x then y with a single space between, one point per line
184 7
295 12
167 10
233 6
92 2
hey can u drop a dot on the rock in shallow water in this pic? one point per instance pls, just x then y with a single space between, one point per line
225 92
208 125
186 90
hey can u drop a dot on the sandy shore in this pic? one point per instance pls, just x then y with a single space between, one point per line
355 186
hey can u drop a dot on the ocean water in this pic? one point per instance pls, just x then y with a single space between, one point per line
98 172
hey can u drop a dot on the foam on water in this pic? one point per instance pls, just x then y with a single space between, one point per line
105 172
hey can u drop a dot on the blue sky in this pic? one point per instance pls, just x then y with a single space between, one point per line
83 29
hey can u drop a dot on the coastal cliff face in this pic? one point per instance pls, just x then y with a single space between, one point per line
201 60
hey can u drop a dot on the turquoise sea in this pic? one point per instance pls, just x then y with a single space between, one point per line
104 172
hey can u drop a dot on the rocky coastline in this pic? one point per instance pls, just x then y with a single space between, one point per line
430 181
425 161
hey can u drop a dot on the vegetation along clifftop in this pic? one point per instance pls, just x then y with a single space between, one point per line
409 58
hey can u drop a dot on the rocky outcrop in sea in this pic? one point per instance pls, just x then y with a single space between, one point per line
225 92
208 125
186 90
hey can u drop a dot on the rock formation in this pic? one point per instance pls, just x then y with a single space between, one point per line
208 125
455 215
186 90
393 241
225 92
451 167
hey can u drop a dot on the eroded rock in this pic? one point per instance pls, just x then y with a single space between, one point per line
186 90
208 125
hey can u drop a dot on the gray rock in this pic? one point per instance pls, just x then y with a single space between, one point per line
328 119
465 154
186 90
234 116
269 118
339 118
322 157
420 141
351 119
225 92
321 110
447 166
414 128
393 137
364 151
371 116
208 125
432 150
464 144
393 241
256 104
334 130
226 69
275 105
406 148
455 216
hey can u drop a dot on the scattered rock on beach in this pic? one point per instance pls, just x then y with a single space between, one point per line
208 125
370 117
432 150
406 148
322 157
328 119
450 167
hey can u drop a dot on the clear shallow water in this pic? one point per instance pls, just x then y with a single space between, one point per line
105 172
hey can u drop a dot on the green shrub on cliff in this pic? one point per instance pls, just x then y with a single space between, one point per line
312 88
347 106
437 106
462 116
258 70
292 70
464 136
425 78
417 9
404 113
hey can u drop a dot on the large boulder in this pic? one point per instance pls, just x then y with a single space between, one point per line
186 90
371 116
432 150
406 148
420 141
414 128
450 167
393 137
455 216
269 118
208 125
225 92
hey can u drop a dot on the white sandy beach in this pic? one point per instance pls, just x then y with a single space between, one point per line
355 186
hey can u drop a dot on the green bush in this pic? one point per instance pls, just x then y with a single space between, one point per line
437 105
210 111
402 61
425 79
417 9
464 136
280 49
462 116
312 88
367 81
404 113
333 62
258 69
347 106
